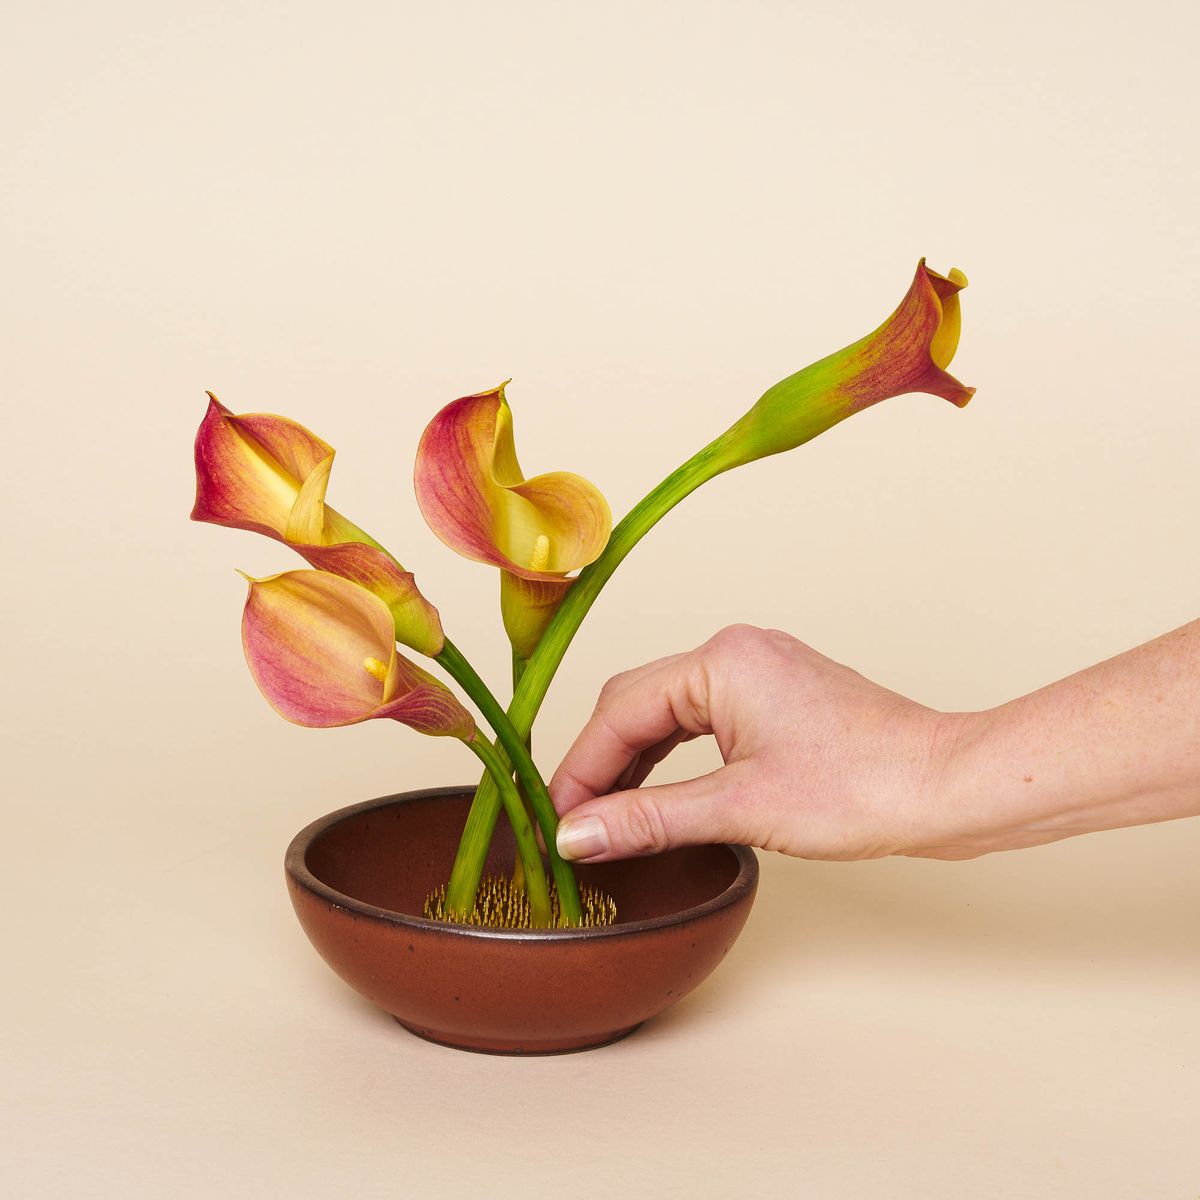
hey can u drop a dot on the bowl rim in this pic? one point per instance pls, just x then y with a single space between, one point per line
296 867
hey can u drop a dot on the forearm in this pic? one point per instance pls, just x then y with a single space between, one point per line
1115 745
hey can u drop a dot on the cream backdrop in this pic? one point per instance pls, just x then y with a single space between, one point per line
644 214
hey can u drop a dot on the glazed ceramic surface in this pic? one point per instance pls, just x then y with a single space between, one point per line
358 880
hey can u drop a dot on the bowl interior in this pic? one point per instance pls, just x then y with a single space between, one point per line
393 853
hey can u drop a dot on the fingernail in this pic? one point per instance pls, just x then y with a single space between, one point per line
582 838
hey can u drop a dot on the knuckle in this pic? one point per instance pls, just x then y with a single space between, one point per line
735 639
611 734
738 650
611 688
645 829
780 638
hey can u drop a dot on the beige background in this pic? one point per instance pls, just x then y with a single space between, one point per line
644 214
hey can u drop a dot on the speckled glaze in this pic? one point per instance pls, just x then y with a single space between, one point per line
358 879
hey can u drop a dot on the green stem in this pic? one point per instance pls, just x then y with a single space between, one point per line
478 837
518 669
540 670
536 888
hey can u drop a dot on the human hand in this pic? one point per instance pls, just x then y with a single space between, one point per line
819 762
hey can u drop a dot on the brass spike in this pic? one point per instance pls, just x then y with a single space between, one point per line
499 904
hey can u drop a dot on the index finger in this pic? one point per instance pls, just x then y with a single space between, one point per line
647 709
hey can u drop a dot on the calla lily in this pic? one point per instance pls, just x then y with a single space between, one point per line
323 652
251 471
474 496
909 352
269 475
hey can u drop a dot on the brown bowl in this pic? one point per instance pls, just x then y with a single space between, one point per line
358 880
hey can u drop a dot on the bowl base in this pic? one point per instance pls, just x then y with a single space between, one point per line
525 1046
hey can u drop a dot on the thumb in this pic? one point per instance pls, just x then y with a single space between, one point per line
650 820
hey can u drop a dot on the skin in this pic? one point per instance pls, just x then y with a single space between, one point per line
822 763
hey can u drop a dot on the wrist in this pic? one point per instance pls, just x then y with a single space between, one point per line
946 819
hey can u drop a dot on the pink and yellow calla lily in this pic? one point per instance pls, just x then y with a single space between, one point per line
322 651
269 475
474 496
909 352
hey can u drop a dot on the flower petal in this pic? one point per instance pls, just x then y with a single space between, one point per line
249 469
945 342
306 521
294 449
565 509
453 476
474 496
312 522
909 351
422 702
417 623
306 635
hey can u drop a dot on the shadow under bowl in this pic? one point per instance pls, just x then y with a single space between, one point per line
358 879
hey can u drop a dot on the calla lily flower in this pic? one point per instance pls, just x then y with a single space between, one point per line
251 471
323 652
473 494
909 352
269 475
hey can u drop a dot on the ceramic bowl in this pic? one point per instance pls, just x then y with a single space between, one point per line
358 880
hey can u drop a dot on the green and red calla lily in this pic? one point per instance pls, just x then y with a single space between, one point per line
323 652
269 475
909 352
473 494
